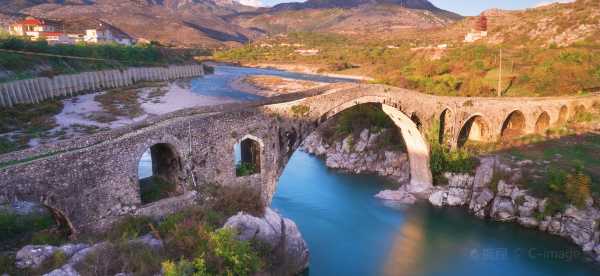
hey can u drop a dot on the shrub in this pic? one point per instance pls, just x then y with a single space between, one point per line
442 159
245 169
577 187
128 257
231 199
129 227
300 110
13 225
224 255
155 188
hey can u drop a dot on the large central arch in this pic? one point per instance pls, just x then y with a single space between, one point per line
421 179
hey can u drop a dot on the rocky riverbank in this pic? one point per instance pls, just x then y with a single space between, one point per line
492 192
500 198
360 155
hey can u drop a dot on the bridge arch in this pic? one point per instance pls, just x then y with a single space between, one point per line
159 172
579 110
563 115
513 126
446 122
542 123
421 179
476 129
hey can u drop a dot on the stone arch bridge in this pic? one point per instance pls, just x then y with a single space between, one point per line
94 180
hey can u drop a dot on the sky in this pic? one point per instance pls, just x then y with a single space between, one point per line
464 7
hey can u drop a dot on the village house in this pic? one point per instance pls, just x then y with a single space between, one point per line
36 29
75 32
106 34
480 30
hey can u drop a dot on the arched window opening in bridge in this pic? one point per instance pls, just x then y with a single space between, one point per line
563 115
513 126
247 157
475 130
445 127
542 124
159 170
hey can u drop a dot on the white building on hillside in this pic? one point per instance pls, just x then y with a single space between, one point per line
105 35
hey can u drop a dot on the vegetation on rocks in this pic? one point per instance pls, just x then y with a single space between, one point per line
444 159
193 242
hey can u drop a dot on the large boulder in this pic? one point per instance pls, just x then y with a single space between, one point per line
580 225
289 250
456 193
399 196
480 202
503 209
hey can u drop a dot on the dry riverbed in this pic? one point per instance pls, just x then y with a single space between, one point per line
31 125
269 86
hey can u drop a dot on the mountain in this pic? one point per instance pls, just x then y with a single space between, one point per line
188 23
347 16
219 23
324 4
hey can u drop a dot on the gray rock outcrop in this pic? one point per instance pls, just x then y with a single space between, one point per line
360 155
289 250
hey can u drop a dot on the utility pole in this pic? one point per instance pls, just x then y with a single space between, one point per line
500 76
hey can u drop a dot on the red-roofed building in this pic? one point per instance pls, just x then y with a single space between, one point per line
32 27
36 29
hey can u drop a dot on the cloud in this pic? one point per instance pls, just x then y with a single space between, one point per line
545 3
253 3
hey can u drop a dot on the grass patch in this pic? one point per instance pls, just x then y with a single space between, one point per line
26 121
120 102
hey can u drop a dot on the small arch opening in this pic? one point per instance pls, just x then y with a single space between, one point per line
247 157
542 124
445 124
563 115
159 170
513 126
474 130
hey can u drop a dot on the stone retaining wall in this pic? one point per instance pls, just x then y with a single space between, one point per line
40 89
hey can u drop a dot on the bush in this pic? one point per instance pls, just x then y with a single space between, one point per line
229 200
300 110
245 169
129 227
13 225
442 159
155 188
134 258
225 255
577 188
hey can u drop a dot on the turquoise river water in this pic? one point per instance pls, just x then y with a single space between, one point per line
349 232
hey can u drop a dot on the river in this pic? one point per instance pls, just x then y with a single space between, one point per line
349 232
